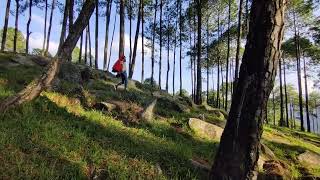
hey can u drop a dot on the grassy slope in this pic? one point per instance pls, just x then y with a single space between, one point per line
55 136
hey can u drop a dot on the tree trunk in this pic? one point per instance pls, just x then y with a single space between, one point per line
207 54
199 74
64 23
96 36
80 53
228 56
191 64
106 40
50 25
89 41
236 72
174 56
70 13
153 43
28 26
121 43
285 92
168 62
45 27
281 122
130 30
5 26
86 48
161 5
180 47
297 46
36 86
142 40
132 62
218 62
114 28
274 110
16 27
306 94
238 152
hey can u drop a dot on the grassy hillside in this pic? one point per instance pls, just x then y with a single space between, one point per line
61 134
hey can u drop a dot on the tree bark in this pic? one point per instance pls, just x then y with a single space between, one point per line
285 93
199 74
142 40
28 26
306 94
180 48
228 56
121 43
81 44
86 48
174 55
45 27
70 13
274 110
281 122
50 25
153 43
34 89
89 41
236 72
96 36
114 28
168 56
106 40
132 62
64 23
238 152
16 27
297 48
5 26
207 54
160 60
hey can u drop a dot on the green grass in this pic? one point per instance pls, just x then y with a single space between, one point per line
56 136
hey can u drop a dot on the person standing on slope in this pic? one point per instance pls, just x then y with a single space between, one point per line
121 69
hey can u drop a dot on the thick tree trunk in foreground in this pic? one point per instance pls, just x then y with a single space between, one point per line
50 25
28 26
132 62
199 75
238 152
34 89
121 43
16 27
5 26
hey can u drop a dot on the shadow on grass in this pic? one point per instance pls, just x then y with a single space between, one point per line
66 142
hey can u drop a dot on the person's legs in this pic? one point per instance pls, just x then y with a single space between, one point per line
125 80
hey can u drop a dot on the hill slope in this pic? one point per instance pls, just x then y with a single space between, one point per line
65 134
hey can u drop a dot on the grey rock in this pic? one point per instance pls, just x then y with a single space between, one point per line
205 129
